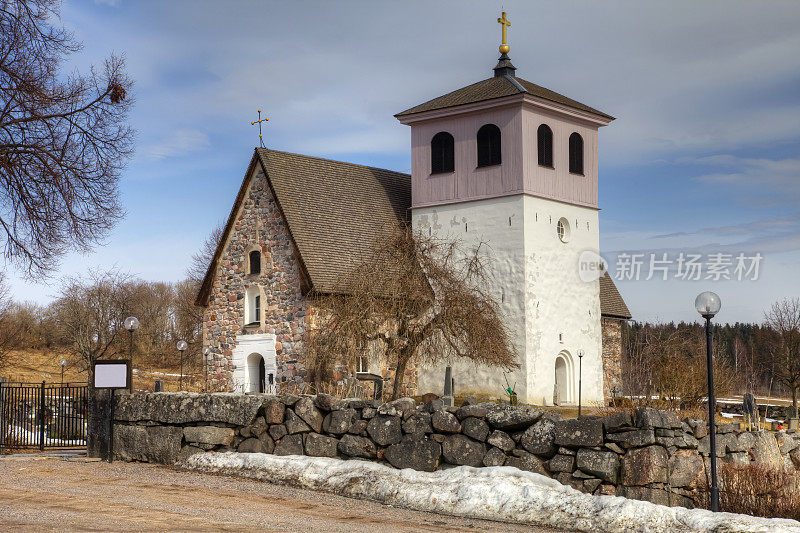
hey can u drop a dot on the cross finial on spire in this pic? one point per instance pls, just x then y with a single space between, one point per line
505 24
259 121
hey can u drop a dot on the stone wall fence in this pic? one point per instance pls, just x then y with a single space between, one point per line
651 455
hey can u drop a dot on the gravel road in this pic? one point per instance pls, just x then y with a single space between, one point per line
46 493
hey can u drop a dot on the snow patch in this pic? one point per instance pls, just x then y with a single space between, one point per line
496 493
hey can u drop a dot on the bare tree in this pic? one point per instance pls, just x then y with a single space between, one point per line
63 142
200 260
784 318
89 315
414 298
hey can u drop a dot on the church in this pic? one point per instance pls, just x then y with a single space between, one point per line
503 162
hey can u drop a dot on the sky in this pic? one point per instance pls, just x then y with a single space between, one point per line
703 159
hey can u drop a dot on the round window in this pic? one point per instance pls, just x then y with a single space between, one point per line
562 228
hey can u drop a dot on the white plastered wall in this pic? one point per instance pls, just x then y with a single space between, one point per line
261 344
536 282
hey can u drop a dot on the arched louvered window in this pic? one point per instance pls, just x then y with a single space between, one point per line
442 157
576 154
544 145
488 145
255 262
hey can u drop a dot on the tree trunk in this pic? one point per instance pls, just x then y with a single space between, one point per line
400 373
794 399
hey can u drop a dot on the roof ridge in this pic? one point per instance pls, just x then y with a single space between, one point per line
268 150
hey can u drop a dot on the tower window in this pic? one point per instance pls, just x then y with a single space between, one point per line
257 309
576 154
544 143
255 262
562 229
442 156
488 145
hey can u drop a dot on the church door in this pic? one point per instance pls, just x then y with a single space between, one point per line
560 392
261 376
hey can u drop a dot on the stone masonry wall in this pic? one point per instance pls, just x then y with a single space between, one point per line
651 455
258 225
612 355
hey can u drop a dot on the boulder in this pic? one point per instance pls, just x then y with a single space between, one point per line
418 424
501 440
794 455
385 430
513 418
317 445
188 408
259 426
353 446
294 424
339 422
649 418
209 435
267 442
153 444
561 463
647 494
461 450
273 411
445 422
251 445
540 438
494 457
368 412
290 445
785 443
418 454
633 439
475 428
277 432
473 410
737 459
402 407
746 440
579 432
527 461
305 409
604 465
617 421
186 452
325 402
765 450
358 427
642 466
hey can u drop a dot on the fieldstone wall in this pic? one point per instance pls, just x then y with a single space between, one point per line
611 329
651 455
258 226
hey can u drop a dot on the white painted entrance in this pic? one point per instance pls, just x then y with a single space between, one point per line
254 364
563 391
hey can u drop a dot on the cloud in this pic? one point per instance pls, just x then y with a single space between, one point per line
178 143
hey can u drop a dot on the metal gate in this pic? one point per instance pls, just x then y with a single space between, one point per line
42 416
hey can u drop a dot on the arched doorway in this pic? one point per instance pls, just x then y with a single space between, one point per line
564 380
256 373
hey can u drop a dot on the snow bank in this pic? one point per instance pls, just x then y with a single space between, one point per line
497 493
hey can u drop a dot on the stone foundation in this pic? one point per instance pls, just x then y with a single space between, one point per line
651 455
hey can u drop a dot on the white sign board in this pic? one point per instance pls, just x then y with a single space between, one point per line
111 374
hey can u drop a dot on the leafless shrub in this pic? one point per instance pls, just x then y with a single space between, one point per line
759 490
414 298
784 352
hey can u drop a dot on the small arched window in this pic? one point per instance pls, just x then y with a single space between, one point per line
488 145
255 262
442 157
544 144
576 154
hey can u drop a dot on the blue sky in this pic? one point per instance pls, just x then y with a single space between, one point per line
704 155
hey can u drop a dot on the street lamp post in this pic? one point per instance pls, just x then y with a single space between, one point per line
206 351
708 304
580 379
63 363
181 348
131 324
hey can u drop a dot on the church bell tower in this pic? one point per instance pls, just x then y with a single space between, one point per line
512 164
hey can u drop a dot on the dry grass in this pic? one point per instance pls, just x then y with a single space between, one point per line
759 490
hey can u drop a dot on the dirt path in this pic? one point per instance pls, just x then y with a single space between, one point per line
40 493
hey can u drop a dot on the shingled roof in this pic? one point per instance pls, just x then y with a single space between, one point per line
611 302
335 212
497 87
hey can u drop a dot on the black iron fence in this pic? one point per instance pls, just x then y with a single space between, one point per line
42 416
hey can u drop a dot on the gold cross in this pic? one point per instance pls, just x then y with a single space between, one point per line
259 121
504 22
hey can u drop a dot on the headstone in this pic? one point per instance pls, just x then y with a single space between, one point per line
447 397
